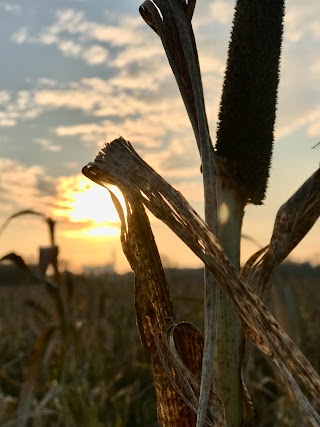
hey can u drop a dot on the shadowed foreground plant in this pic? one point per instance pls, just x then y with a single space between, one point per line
235 173
139 183
43 344
172 388
58 321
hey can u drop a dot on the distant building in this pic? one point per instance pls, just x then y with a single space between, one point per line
97 270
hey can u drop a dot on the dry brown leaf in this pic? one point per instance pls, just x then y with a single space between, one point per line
174 28
120 165
183 347
155 312
293 221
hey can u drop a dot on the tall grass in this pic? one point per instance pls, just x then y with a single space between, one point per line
107 378
92 372
199 379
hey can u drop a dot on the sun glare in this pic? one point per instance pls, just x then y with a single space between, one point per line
85 202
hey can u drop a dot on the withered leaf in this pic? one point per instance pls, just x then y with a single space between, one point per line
293 221
155 312
136 178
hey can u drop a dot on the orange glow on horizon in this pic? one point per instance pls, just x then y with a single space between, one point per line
86 202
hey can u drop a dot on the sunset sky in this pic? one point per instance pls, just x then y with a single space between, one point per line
77 73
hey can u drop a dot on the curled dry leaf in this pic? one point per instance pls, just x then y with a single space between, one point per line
293 221
170 19
176 402
252 262
120 165
182 346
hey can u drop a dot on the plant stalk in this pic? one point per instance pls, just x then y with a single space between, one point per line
227 382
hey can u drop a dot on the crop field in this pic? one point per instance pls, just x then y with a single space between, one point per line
73 357
228 345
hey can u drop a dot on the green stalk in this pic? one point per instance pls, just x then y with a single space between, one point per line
227 381
243 154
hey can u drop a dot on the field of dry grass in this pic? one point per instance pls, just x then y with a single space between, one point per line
79 359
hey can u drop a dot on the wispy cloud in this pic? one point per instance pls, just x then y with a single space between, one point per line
12 8
77 37
47 145
19 183
4 96
17 107
20 36
66 198
112 78
222 11
138 101
115 109
302 20
309 119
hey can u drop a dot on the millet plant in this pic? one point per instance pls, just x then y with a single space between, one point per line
200 380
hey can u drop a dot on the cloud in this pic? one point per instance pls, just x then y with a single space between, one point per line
19 186
112 108
139 99
74 22
302 20
71 98
47 145
298 97
179 160
95 55
222 11
125 31
145 122
6 120
70 48
4 96
309 119
46 186
92 55
77 37
12 8
117 96
20 36
17 107
69 199
45 82
150 49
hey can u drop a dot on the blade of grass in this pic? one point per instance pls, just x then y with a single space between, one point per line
18 214
32 374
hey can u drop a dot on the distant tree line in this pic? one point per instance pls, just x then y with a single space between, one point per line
11 275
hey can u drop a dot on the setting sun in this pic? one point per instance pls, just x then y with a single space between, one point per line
89 204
